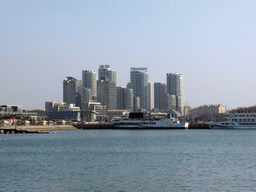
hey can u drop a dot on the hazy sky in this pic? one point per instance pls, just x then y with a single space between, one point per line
212 43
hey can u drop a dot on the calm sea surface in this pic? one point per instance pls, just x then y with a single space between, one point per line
129 160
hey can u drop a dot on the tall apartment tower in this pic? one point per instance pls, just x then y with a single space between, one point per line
139 85
106 87
160 91
105 71
129 100
120 98
89 82
72 91
175 87
124 99
170 102
106 93
150 96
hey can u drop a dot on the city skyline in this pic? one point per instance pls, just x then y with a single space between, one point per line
116 97
211 43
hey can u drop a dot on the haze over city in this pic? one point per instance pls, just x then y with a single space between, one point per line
211 43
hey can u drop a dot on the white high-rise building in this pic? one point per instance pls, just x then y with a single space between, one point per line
139 85
129 100
175 87
89 82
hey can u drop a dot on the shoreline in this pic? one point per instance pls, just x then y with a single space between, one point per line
87 126
43 127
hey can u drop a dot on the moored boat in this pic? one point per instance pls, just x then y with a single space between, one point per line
148 121
237 120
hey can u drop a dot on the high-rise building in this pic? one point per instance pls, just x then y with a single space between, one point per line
106 87
105 71
124 99
89 82
137 107
120 98
139 85
150 96
72 90
175 87
171 102
106 93
85 98
179 104
129 100
160 96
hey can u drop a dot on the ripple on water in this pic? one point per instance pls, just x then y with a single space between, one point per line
129 160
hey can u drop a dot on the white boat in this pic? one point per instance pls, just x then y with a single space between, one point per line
149 121
237 120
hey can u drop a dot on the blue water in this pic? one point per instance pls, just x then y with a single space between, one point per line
129 160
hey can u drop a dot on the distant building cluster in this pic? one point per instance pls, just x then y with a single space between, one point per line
99 99
99 96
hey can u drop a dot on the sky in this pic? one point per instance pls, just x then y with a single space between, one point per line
211 43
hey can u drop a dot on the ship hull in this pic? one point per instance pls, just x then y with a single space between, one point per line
232 127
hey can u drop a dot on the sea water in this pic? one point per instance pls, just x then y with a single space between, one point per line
129 160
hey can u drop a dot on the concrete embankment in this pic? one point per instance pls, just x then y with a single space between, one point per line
44 127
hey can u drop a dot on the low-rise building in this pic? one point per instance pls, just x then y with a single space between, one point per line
112 114
15 112
67 113
207 113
